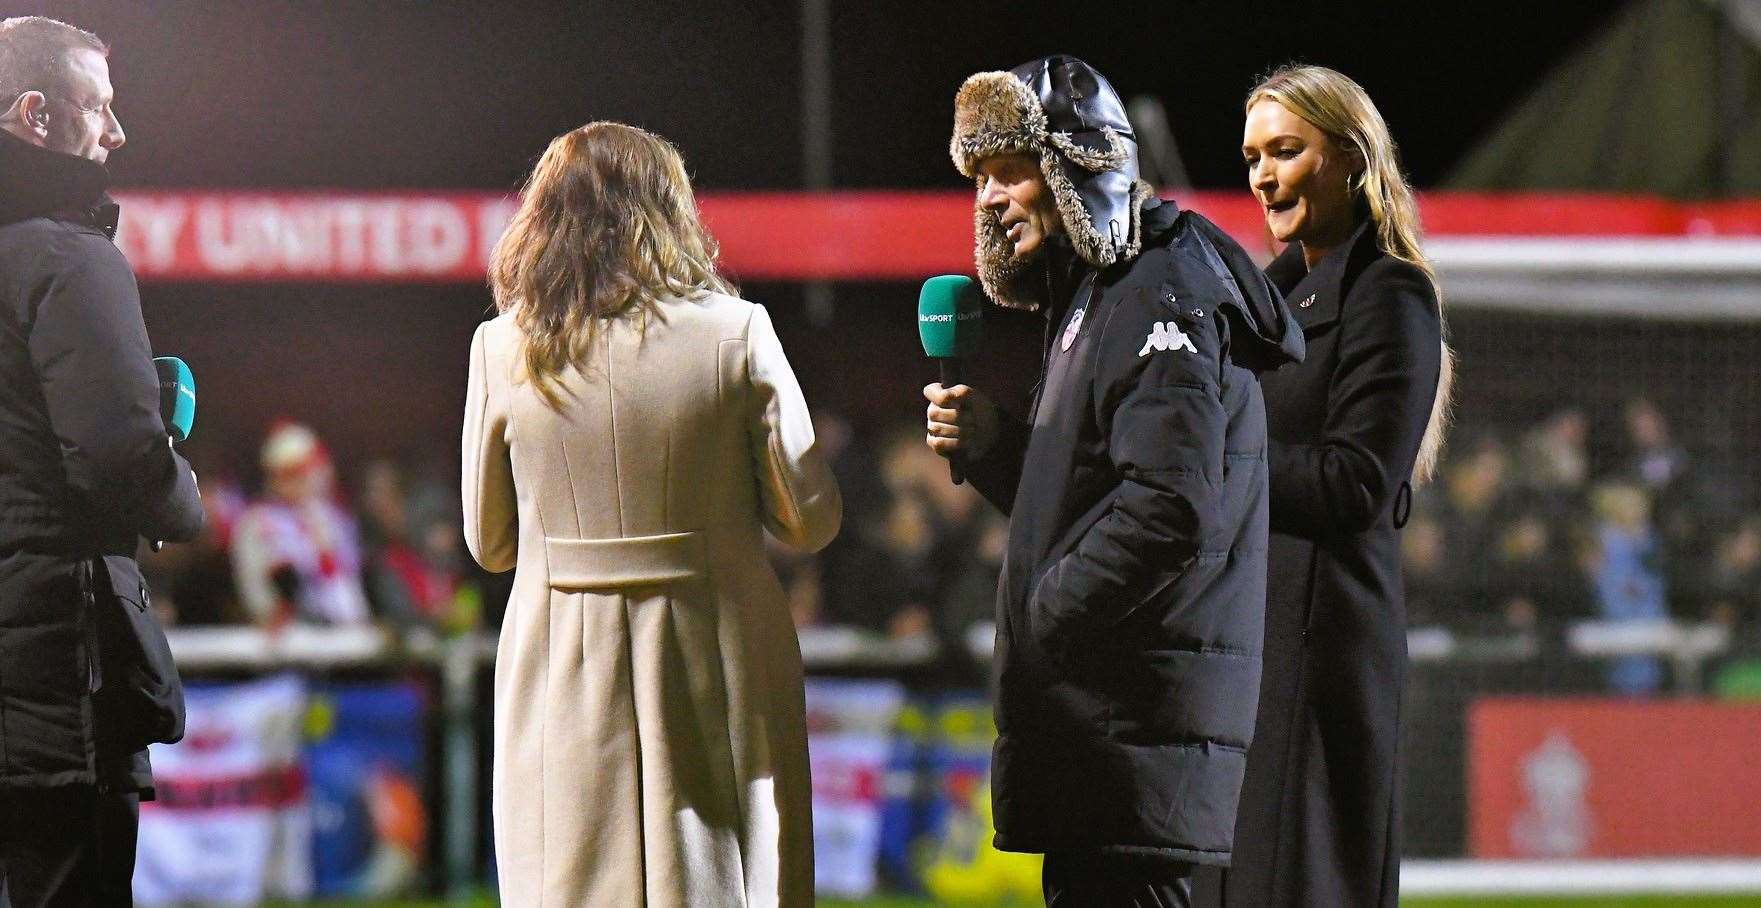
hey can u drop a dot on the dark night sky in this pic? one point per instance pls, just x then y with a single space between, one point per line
465 94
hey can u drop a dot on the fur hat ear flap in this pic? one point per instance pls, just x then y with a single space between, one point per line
1005 280
1101 245
996 113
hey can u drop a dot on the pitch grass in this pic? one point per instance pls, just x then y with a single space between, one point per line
1657 901
1661 901
1627 901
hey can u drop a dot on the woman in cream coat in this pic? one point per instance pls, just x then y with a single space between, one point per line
630 430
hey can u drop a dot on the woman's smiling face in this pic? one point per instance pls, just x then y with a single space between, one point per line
1299 175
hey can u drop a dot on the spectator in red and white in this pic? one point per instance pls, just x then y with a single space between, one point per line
296 553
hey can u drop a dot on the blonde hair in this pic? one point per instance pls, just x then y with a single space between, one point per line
607 227
1339 107
1623 504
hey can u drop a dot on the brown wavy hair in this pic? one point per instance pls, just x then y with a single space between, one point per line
1339 107
607 227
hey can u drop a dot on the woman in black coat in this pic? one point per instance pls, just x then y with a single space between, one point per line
1350 427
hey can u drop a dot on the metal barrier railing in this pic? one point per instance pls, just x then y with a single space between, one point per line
457 660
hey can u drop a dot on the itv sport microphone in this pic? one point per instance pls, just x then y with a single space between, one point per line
950 320
177 396
177 403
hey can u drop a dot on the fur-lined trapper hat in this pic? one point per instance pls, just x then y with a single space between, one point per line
1061 111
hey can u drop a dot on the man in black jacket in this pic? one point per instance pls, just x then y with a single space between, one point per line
86 470
1132 597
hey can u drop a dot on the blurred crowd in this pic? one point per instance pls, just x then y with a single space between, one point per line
1525 532
918 555
1530 532
300 550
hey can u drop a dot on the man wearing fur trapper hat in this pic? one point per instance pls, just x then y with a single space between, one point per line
1132 596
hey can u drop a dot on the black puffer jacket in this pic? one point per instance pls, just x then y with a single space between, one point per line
1132 601
85 469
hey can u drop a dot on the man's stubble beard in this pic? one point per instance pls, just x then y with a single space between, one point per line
63 140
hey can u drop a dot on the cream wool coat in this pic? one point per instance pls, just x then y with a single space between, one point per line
650 738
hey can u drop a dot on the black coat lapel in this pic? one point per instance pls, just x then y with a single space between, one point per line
1314 296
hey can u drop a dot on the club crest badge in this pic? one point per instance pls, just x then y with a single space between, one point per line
1071 330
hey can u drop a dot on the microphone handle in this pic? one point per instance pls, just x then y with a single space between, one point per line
170 442
951 376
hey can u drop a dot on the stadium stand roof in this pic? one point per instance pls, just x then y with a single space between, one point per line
1666 101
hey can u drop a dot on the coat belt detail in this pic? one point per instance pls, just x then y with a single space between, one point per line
585 564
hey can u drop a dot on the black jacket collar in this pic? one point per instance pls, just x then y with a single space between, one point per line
1314 296
36 181
1269 338
1266 335
1159 216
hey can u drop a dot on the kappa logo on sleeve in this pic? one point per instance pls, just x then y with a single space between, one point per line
1167 336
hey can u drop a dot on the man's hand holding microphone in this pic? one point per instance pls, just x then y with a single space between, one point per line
962 421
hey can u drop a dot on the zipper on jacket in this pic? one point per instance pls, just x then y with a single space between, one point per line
1045 359
89 625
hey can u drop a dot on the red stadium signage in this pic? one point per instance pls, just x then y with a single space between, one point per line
1595 778
448 236
310 237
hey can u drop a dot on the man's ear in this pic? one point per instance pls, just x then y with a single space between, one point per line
29 113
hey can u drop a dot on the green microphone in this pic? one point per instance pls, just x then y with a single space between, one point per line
950 320
177 402
177 396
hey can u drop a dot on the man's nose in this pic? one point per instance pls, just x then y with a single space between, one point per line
993 196
113 137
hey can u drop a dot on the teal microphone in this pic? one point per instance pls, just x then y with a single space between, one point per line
950 320
177 396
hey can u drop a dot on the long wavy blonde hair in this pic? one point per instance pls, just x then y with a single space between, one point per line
607 227
1340 108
